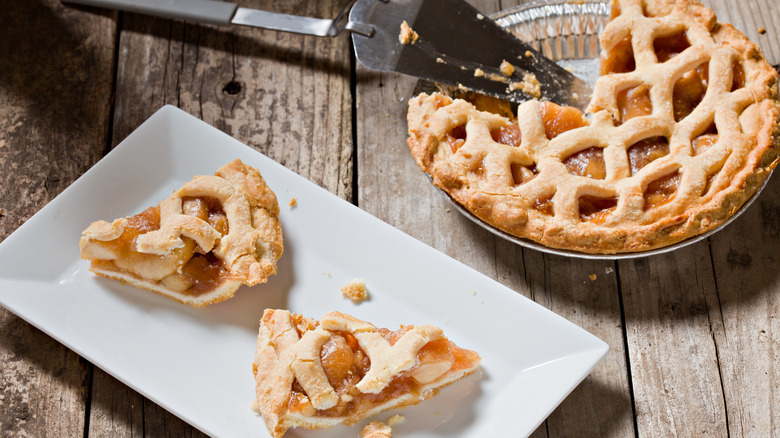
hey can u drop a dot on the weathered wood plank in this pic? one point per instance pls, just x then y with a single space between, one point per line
55 86
286 95
118 412
674 368
746 256
43 385
394 189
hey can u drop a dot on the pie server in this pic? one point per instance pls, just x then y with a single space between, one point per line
455 41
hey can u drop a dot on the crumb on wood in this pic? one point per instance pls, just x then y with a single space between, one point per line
479 73
440 60
355 290
376 429
762 30
407 35
593 277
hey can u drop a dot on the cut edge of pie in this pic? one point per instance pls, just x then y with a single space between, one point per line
199 245
652 167
340 370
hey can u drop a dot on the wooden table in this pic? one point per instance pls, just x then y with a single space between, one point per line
694 335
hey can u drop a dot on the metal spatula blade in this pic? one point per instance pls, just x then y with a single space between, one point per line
458 46
455 42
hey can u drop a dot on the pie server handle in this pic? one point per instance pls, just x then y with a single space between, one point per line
224 13
201 11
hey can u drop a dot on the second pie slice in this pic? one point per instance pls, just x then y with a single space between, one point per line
200 244
340 370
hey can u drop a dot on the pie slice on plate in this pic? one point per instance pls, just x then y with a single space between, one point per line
682 129
340 370
197 246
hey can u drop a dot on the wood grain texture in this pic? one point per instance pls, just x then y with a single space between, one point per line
674 367
286 95
55 85
745 258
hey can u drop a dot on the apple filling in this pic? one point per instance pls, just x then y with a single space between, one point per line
596 209
186 269
661 191
589 163
644 152
345 364
634 102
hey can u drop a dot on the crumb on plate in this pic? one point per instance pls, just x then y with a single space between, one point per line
355 290
376 429
293 202
395 419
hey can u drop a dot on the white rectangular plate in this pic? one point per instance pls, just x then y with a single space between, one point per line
197 362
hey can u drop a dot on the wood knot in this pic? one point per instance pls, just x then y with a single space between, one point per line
232 88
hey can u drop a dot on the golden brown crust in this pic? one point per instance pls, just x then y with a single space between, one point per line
246 246
712 185
290 365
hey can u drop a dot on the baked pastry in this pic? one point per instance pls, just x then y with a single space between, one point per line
682 130
197 246
339 370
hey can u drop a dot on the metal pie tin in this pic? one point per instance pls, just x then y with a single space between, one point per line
567 33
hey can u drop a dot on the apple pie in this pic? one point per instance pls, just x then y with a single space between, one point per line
340 370
200 244
681 131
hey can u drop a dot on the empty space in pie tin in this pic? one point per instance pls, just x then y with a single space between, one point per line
568 34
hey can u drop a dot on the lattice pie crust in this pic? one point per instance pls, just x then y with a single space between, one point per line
197 246
683 129
339 370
